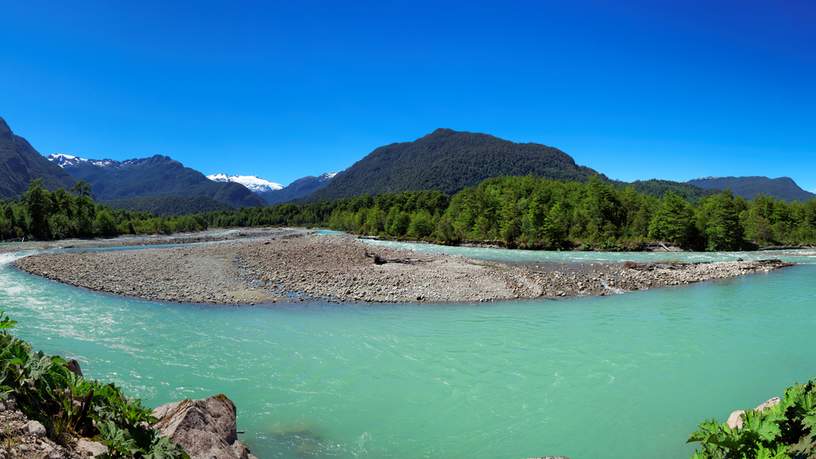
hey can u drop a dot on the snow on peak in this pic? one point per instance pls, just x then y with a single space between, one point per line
64 160
255 184
328 176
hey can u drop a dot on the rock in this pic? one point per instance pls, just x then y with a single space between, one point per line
770 403
88 448
73 365
735 419
35 428
204 428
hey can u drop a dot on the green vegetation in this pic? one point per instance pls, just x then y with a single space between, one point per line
524 212
531 212
44 215
68 405
785 431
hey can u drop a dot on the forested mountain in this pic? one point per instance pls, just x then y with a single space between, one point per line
157 183
659 188
749 187
299 189
447 161
20 163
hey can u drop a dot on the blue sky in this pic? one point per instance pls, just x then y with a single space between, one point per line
668 89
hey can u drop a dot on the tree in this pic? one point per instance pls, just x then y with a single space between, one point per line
554 228
673 222
37 203
421 226
104 224
721 224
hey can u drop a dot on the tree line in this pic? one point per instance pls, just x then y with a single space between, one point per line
45 215
519 212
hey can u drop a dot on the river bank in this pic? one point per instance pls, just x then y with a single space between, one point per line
212 235
297 265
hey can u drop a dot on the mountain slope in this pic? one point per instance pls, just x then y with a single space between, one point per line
448 161
128 183
749 187
299 189
659 188
20 163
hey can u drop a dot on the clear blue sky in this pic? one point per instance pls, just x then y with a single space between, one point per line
669 89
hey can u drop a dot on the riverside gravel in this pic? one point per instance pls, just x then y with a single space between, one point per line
297 265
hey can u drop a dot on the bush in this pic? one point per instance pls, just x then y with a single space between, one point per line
785 431
69 405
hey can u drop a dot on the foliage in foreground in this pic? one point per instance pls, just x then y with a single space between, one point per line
785 431
69 405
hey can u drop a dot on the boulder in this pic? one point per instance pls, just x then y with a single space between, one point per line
35 428
735 419
205 428
88 448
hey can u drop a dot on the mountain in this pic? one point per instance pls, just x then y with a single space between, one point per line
448 160
255 184
659 188
169 185
749 187
299 189
20 163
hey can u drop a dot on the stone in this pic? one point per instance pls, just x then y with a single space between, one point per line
735 419
770 403
35 428
204 428
88 448
73 365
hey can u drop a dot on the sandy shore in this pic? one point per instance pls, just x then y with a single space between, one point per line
296 265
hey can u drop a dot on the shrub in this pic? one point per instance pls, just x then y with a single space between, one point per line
69 405
785 431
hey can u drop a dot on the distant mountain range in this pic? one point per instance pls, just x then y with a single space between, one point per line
255 184
20 164
275 193
750 187
444 160
301 188
158 184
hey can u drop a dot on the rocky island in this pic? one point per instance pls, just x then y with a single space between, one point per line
297 265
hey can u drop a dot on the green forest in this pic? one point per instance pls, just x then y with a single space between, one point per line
517 212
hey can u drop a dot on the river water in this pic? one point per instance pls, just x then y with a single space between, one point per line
622 376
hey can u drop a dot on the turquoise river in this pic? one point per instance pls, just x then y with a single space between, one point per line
622 376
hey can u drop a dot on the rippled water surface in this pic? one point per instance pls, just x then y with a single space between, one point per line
622 376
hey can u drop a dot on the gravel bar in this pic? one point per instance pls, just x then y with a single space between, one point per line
292 266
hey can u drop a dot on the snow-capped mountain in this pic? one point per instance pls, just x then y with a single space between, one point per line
63 160
255 184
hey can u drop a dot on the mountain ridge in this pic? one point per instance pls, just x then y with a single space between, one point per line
749 187
20 163
143 183
253 182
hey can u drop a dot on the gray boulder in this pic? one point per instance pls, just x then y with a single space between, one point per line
736 419
205 428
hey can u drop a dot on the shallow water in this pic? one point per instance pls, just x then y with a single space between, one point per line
622 376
